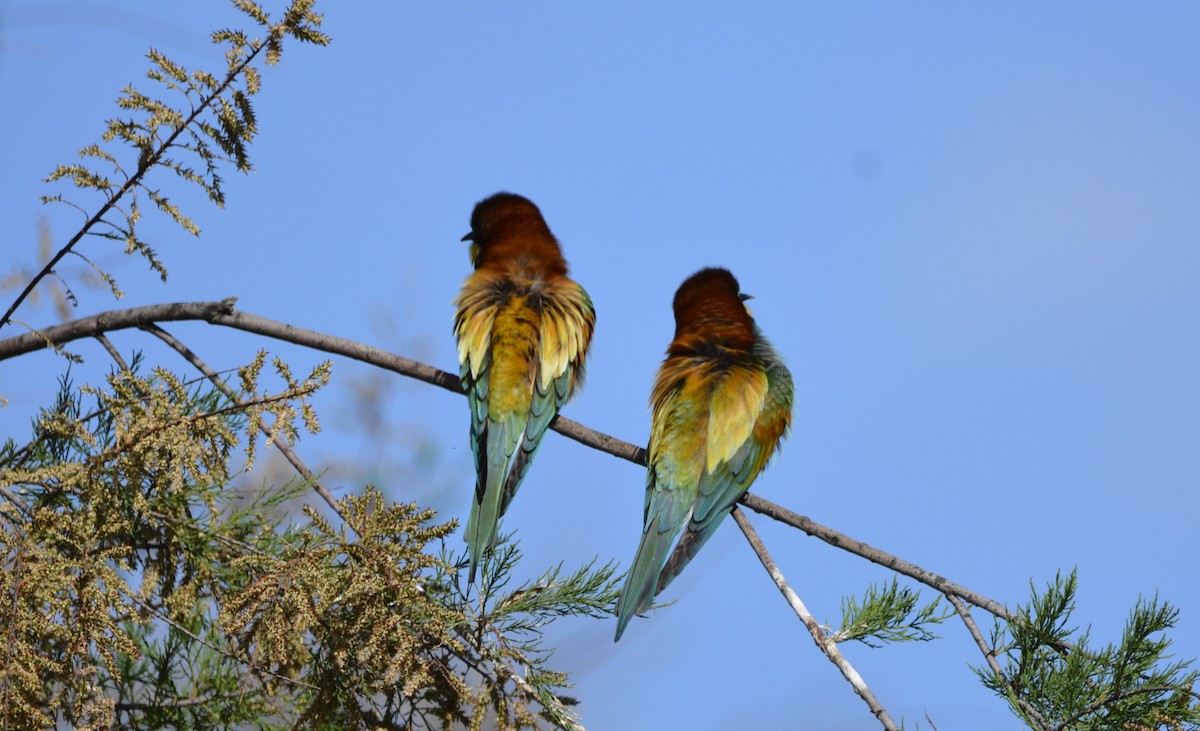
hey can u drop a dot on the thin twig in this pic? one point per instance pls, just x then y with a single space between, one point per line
989 654
218 650
226 540
132 182
824 643
124 441
116 355
522 684
1113 698
283 448
179 703
16 501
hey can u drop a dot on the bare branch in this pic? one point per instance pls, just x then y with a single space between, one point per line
111 321
824 643
112 350
887 560
222 313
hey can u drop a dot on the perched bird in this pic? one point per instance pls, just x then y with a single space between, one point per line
721 402
523 329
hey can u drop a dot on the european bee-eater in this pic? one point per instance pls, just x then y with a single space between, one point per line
721 402
523 329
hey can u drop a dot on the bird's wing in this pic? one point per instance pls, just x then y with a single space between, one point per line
568 319
767 392
474 320
677 438
734 408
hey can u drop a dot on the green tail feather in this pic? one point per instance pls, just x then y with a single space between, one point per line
481 527
640 584
689 545
486 511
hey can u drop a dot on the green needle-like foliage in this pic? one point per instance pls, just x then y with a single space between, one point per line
888 614
1054 678
503 637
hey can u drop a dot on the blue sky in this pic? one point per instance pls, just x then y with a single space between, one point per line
972 232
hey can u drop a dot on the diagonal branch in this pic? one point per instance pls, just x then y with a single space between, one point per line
883 558
133 706
824 643
111 321
989 654
222 313
223 652
112 351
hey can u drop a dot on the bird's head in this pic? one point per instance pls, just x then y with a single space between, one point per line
508 227
711 305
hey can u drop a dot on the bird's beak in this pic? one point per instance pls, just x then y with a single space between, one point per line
469 237
745 296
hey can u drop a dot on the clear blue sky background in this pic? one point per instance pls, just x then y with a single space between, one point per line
972 232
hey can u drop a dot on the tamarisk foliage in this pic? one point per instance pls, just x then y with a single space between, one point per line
142 591
207 120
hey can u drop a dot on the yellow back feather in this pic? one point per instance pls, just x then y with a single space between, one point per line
733 410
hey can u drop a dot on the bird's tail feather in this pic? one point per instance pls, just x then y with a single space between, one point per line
689 545
486 509
639 591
